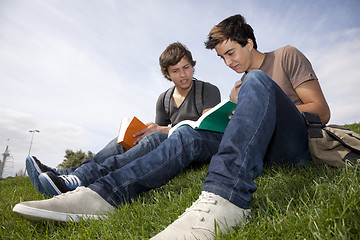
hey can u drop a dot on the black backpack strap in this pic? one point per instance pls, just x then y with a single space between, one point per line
199 102
314 124
167 99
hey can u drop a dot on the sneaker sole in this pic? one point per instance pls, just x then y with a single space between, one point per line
50 186
36 214
34 171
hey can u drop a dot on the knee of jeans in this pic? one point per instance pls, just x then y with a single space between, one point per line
112 143
184 131
154 137
186 136
257 78
256 73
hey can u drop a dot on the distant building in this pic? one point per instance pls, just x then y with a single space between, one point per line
5 158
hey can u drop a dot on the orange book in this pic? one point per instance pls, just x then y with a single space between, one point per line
128 127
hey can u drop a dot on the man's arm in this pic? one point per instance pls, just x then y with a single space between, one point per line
211 96
205 110
152 127
313 100
161 120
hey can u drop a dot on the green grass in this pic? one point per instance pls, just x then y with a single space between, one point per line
312 202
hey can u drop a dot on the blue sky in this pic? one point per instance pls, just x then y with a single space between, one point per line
73 69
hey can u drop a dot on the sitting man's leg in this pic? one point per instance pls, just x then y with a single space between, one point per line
88 173
266 128
152 170
184 147
35 167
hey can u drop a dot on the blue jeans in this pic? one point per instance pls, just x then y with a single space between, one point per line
111 149
156 168
113 157
266 129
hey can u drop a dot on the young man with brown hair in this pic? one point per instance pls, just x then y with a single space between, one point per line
115 187
188 99
267 128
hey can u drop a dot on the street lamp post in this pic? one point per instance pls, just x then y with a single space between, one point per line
32 138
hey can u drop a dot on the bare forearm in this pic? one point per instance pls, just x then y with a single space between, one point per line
313 100
322 111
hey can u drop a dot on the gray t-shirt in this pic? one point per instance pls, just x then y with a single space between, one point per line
187 110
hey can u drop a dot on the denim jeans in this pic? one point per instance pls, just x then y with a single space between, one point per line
112 157
183 147
266 129
111 149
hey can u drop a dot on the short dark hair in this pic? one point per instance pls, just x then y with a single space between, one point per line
233 28
172 55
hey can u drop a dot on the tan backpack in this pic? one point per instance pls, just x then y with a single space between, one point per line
333 145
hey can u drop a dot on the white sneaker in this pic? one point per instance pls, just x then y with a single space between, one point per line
80 203
199 221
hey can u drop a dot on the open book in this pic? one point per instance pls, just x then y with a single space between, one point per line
128 127
216 119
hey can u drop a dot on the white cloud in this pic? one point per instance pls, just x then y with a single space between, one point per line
337 68
50 143
74 69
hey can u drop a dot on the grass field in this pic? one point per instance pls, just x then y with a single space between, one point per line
312 202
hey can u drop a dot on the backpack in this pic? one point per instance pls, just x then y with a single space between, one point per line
199 88
333 145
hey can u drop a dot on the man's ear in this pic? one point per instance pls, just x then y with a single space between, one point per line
167 75
250 44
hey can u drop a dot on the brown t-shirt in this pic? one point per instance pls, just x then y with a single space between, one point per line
288 67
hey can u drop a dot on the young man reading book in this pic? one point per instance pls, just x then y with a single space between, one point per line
185 102
267 128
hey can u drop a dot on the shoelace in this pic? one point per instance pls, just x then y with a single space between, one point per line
202 204
67 193
71 181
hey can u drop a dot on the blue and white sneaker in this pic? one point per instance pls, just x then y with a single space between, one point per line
34 168
57 184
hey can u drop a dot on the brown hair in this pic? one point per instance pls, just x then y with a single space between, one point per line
233 28
172 55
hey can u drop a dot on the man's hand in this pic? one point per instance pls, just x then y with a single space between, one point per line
233 112
151 127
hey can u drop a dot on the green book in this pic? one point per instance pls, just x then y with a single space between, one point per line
216 119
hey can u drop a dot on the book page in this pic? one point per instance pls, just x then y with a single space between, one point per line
123 126
193 124
216 119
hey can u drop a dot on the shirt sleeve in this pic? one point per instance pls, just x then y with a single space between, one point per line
161 118
235 90
298 67
211 95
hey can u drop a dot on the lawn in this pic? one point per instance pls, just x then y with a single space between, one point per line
311 202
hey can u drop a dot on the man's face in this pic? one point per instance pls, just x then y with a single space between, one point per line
235 56
181 74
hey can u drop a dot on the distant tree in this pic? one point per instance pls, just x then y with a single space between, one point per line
73 159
